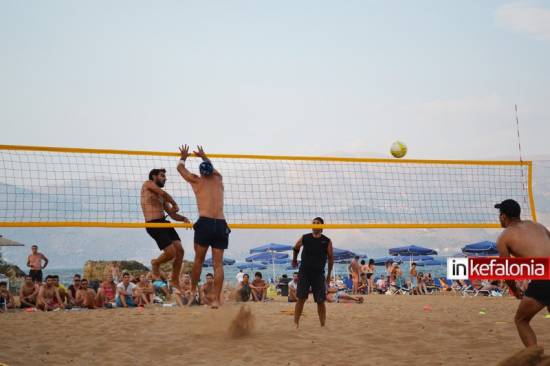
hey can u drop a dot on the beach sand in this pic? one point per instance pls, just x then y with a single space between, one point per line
389 330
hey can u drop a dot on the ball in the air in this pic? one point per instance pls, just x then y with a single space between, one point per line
398 149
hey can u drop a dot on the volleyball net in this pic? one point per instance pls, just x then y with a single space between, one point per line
46 186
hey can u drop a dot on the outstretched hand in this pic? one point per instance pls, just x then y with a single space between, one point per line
184 152
200 152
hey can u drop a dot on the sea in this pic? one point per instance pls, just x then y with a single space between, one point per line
271 272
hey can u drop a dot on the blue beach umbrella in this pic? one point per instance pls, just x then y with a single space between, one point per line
252 265
483 248
271 247
411 250
226 262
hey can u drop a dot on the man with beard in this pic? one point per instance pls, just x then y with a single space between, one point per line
154 202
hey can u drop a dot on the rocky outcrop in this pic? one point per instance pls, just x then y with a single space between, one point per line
11 270
96 270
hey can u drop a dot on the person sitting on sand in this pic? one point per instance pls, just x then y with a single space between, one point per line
6 299
292 287
182 296
85 297
336 296
28 293
207 291
259 287
244 291
161 286
73 288
48 296
125 292
106 293
62 290
422 288
146 290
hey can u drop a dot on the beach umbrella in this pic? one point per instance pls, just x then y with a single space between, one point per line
252 265
226 262
277 261
411 250
431 262
483 248
267 257
382 260
271 247
342 254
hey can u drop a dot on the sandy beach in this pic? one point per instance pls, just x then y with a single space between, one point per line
393 330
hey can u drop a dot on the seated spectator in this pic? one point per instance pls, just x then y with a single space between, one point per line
125 292
85 297
283 285
146 290
73 288
62 290
28 293
381 285
258 287
336 296
48 296
6 299
207 294
244 290
182 296
161 287
444 285
292 288
422 287
106 292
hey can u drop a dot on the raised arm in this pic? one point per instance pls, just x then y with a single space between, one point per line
186 174
330 259
295 252
201 154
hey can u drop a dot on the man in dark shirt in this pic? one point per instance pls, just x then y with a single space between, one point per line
317 249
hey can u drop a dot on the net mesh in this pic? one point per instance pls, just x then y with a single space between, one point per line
42 188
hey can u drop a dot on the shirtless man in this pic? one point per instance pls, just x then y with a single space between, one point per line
208 295
28 293
85 297
524 238
355 270
259 287
48 296
34 261
211 229
154 202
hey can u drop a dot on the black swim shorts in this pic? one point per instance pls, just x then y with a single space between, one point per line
540 291
314 280
164 236
211 232
36 275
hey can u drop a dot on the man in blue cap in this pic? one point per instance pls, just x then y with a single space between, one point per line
211 229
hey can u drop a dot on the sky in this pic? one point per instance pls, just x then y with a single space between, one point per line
286 77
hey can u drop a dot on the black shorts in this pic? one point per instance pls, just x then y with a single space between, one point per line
540 291
36 275
164 236
314 280
211 232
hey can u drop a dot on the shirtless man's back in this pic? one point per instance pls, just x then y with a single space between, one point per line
524 238
211 230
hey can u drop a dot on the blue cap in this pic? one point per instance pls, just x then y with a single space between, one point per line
206 168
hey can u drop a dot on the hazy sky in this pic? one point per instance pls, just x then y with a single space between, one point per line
274 77
285 77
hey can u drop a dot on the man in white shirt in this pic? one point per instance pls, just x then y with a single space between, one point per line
292 287
240 276
125 292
